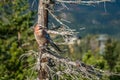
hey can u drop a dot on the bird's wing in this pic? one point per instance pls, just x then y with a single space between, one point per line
46 35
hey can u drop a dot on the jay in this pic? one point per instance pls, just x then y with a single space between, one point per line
43 38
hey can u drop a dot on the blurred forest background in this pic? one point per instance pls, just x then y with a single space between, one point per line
98 43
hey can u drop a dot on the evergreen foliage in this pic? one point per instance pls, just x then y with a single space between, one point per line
15 32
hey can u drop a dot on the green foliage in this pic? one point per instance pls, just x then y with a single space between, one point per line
95 60
110 60
110 54
115 60
15 20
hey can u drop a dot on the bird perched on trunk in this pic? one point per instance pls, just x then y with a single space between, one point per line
43 38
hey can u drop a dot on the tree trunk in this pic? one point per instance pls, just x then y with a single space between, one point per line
42 60
42 14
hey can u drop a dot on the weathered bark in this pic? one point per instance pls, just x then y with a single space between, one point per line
42 60
42 69
42 14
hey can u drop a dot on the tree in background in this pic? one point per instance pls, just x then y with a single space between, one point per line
112 54
15 35
95 59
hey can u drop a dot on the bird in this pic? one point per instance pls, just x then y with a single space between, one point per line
43 38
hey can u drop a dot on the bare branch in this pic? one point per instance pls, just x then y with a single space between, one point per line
55 17
83 2
58 33
72 68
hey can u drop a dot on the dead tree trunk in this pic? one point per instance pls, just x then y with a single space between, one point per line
43 13
42 60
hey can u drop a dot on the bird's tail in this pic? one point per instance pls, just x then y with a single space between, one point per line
55 46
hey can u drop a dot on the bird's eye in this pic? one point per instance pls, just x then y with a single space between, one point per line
40 28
